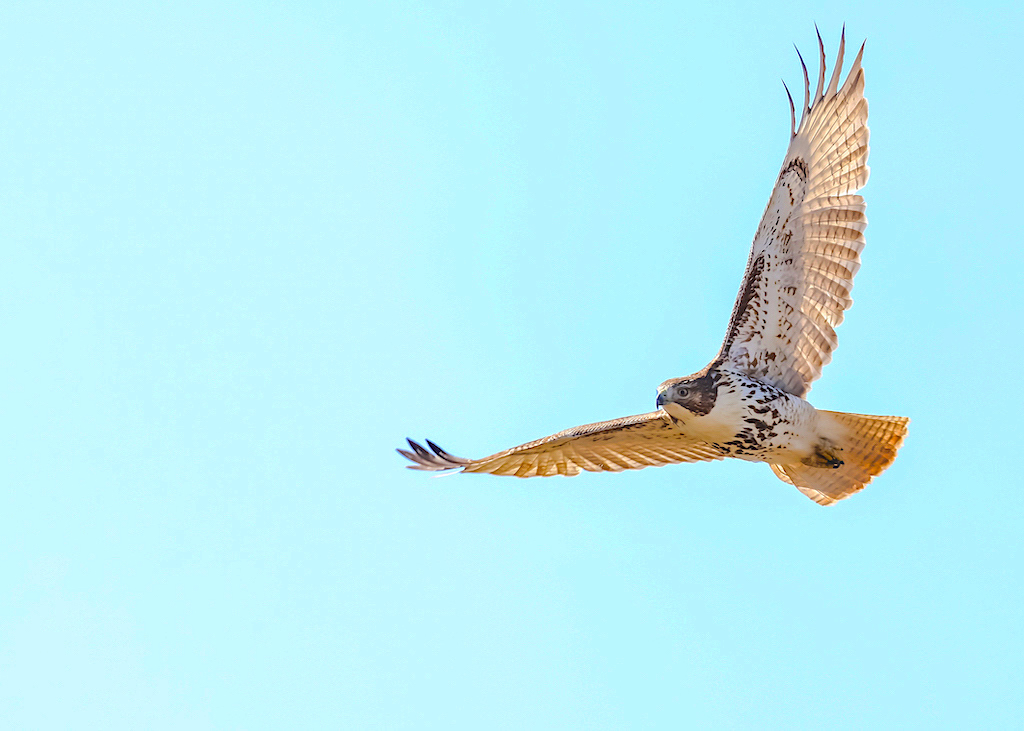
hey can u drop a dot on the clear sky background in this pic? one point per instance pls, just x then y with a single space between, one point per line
248 248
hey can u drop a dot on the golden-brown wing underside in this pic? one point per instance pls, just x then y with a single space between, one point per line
807 247
629 443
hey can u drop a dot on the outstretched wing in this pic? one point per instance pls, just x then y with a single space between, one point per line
807 248
629 443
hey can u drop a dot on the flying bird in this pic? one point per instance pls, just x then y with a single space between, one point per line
750 402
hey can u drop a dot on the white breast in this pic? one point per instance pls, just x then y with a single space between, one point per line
754 421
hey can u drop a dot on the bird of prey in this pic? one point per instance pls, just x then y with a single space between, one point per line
749 402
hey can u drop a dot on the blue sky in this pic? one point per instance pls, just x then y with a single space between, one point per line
248 248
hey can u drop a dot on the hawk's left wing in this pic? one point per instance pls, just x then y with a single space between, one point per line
807 248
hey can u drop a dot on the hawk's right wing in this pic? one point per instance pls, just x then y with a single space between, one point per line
629 443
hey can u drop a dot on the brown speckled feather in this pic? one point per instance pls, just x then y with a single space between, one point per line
807 247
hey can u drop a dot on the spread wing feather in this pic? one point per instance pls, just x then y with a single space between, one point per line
807 247
629 443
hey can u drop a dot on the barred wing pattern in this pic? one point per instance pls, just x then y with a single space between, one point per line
629 443
807 248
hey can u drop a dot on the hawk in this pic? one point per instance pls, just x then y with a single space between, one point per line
749 402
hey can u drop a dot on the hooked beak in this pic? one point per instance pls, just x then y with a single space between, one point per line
661 400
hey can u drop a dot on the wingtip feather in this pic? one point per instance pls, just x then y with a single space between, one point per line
821 66
792 110
807 85
439 461
420 451
833 83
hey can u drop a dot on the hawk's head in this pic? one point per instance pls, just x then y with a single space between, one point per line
695 394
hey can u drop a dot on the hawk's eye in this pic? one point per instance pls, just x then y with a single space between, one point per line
684 392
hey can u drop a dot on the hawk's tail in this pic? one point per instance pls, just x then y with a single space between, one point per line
868 446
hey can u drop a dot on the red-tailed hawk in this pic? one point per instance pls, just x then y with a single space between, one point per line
749 401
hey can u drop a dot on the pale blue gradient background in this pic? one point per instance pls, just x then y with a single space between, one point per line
248 248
